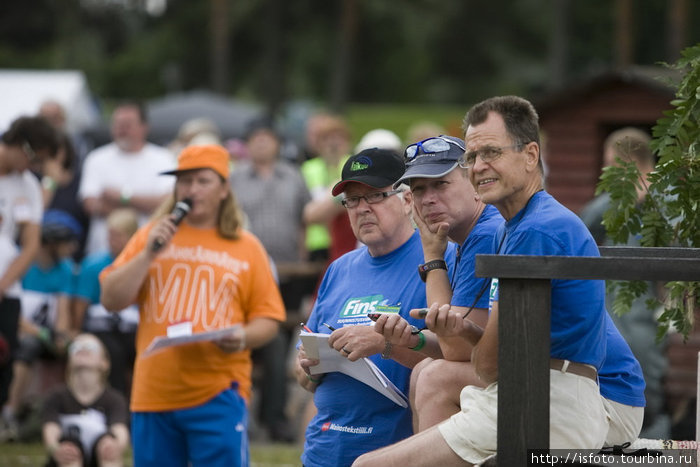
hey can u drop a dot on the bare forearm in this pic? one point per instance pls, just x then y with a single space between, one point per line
64 323
259 332
15 271
437 287
321 211
485 354
146 204
121 286
405 356
29 243
305 380
438 291
408 356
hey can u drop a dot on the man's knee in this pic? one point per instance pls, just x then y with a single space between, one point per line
435 375
418 369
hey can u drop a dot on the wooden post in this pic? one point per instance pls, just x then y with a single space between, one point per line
524 328
523 368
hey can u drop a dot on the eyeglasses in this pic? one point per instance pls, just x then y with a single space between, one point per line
31 155
487 154
427 146
371 198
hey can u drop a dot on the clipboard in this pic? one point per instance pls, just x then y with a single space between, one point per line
364 370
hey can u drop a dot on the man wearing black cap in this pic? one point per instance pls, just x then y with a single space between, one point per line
445 206
381 276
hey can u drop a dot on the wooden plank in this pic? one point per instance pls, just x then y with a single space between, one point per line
649 252
523 368
577 267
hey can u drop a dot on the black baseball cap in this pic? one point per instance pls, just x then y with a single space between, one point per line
374 167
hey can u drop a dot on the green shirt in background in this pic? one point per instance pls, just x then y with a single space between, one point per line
319 177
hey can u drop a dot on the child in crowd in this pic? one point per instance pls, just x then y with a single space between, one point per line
117 331
84 423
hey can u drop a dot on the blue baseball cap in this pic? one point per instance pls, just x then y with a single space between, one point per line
59 226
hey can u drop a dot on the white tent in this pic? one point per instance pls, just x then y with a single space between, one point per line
23 91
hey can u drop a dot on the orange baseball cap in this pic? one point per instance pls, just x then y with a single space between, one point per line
208 156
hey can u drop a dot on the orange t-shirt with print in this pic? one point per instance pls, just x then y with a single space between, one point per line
212 282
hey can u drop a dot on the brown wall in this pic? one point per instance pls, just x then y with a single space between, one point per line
574 127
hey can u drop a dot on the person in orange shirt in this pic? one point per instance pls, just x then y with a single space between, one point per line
188 402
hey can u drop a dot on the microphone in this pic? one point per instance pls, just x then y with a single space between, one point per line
179 212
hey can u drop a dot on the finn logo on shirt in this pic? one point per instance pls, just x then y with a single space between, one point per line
361 305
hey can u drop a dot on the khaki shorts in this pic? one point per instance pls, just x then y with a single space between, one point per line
625 422
577 418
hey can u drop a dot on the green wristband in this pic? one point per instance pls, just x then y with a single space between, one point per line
421 342
310 378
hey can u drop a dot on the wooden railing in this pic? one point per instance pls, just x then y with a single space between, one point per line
524 327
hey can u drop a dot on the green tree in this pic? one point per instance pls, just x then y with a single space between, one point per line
670 214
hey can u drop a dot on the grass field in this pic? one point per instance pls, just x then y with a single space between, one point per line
262 455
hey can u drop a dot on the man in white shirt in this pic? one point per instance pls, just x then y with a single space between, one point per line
123 173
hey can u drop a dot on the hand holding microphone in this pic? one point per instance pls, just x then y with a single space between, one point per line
176 216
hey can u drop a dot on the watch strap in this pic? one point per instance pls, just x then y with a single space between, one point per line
424 268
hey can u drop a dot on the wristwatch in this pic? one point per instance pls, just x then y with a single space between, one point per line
429 266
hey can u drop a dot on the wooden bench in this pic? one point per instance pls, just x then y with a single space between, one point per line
524 327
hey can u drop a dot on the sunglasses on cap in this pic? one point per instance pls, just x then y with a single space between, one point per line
433 145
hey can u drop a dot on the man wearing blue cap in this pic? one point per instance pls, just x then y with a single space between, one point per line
446 206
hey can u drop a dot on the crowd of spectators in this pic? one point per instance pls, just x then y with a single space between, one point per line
66 214
68 210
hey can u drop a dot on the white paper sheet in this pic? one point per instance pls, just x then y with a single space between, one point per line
364 370
162 342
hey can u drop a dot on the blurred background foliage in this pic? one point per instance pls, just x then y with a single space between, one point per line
340 52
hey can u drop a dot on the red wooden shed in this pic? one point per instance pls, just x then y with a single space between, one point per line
576 120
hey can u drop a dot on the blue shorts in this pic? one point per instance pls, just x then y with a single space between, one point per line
212 434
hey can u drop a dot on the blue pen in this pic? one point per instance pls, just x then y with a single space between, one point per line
329 326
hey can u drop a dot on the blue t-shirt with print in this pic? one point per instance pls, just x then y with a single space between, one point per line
466 287
352 417
581 329
41 289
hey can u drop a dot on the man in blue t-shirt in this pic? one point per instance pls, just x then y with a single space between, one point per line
353 418
446 206
505 167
